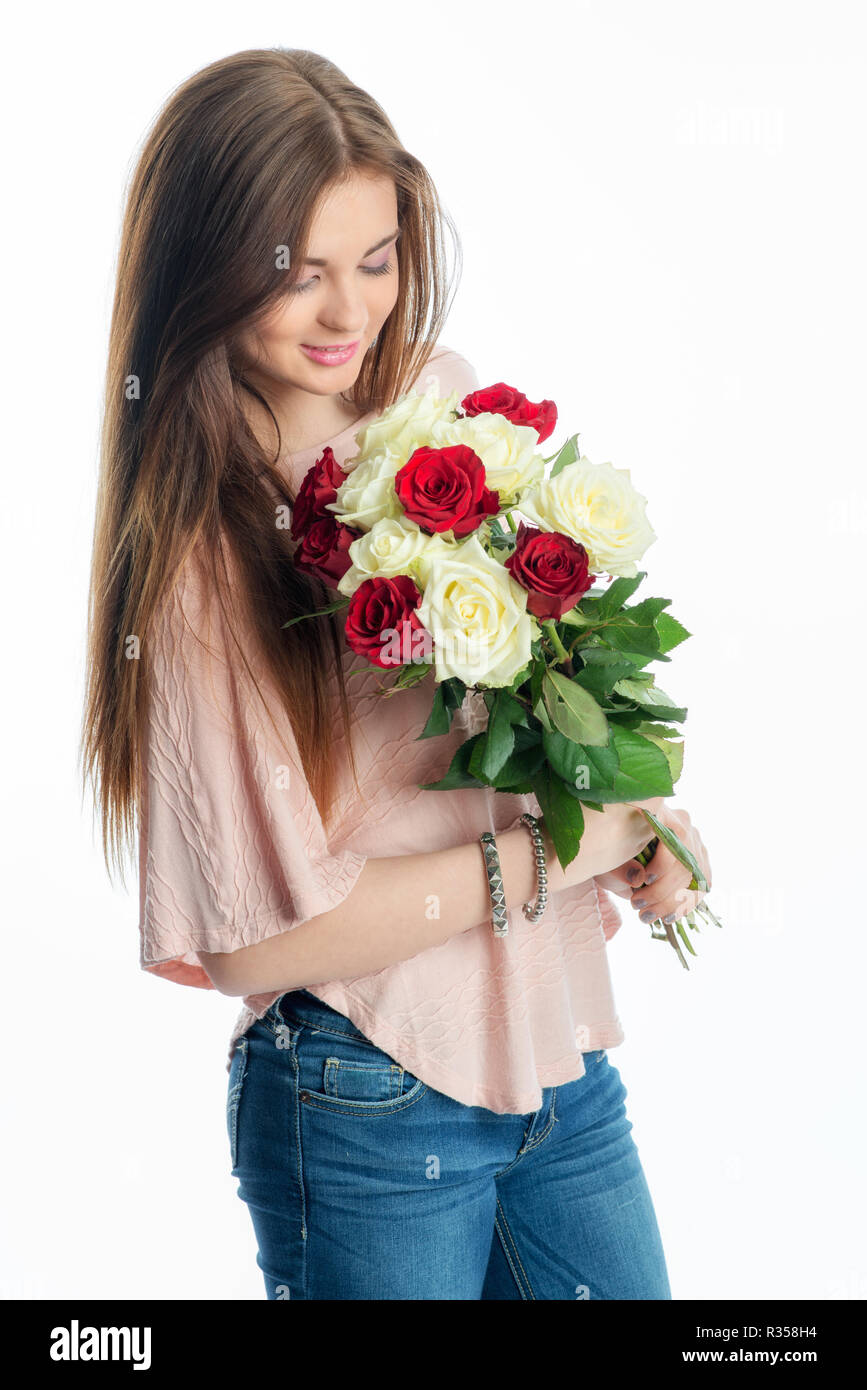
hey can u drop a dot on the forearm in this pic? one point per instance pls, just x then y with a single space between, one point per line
397 908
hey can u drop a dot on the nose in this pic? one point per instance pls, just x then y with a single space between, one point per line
344 309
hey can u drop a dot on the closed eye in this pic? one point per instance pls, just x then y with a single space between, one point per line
303 286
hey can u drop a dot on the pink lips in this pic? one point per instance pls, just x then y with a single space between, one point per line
330 356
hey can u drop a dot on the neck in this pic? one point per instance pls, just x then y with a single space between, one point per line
305 420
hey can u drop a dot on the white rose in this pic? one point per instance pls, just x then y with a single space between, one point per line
597 506
402 427
368 493
477 616
392 546
508 451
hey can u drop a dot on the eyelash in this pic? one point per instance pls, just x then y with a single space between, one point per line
367 269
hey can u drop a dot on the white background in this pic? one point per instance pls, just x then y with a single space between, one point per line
662 216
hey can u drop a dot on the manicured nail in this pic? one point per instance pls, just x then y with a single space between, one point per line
651 878
638 902
670 918
647 916
632 873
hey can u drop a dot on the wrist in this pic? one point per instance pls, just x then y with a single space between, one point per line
518 865
556 873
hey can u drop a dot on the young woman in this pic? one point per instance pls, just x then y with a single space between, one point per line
416 1107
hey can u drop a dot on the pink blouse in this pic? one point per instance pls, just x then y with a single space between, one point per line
232 850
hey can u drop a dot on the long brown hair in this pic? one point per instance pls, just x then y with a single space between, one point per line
230 171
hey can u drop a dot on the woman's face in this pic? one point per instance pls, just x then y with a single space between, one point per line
339 298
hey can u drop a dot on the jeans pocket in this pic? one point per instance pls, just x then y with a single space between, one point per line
348 1075
237 1072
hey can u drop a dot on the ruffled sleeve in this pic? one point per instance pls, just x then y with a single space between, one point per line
232 848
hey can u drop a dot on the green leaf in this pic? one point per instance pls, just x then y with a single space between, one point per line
537 676
603 764
618 591
439 720
564 818
505 713
569 453
678 849
541 714
573 710
647 611
673 751
505 541
642 768
515 710
410 675
458 774
600 678
448 697
455 690
642 690
477 758
649 697
319 612
627 637
593 595
520 680
601 656
670 632
620 652
526 759
564 755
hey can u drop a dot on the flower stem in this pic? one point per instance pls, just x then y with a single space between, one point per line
562 655
511 521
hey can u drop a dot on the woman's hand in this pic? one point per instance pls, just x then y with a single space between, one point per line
611 834
660 888
622 880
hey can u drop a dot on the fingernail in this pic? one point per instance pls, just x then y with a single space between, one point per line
651 878
638 902
632 873
647 916
670 918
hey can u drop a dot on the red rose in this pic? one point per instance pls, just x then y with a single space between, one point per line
320 485
552 568
444 490
501 399
324 549
378 609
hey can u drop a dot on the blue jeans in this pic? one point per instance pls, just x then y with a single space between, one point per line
364 1183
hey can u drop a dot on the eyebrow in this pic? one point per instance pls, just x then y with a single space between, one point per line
314 260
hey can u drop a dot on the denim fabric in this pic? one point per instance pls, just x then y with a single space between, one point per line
364 1183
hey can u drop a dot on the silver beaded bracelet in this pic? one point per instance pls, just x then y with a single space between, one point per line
533 911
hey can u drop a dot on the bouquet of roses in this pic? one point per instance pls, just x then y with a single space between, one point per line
417 534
